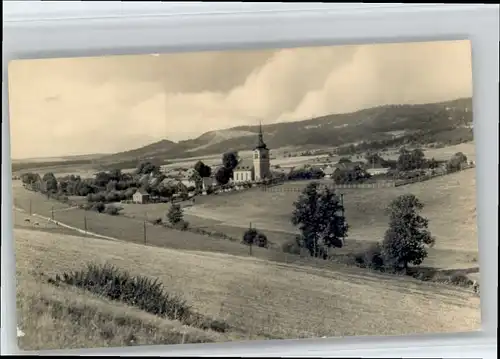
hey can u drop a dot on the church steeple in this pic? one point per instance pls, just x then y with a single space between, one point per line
260 141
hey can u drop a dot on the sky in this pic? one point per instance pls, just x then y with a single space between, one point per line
108 104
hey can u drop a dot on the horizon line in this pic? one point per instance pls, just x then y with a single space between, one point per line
229 128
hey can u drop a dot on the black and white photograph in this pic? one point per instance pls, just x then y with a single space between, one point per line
204 197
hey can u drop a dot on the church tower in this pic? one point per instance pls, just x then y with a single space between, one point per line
261 164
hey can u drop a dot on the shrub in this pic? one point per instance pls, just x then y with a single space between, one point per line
141 292
181 225
291 247
138 291
112 210
98 207
460 279
371 258
254 237
156 221
175 214
353 175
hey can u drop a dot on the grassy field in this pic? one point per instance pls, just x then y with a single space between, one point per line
450 203
257 298
449 200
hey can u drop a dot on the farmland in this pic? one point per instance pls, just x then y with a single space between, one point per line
450 203
255 297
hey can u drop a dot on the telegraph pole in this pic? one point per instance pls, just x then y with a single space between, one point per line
250 244
85 222
30 208
52 212
343 216
144 228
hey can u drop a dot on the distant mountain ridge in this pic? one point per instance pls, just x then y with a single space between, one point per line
332 130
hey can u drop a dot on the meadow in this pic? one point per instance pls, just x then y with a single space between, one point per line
259 299
260 293
450 203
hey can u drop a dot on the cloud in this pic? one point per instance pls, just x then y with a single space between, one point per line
68 106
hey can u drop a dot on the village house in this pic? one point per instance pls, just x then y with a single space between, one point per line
140 196
377 170
348 166
257 169
328 171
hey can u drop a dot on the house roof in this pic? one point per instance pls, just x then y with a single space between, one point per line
169 182
244 165
349 165
329 170
142 192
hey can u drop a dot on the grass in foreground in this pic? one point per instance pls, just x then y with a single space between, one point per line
257 298
68 318
144 293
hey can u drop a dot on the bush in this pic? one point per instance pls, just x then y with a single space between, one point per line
291 247
371 257
156 221
460 279
98 207
138 291
175 214
181 225
141 292
254 237
352 175
112 210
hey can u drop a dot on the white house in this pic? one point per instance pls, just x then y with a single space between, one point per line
377 170
207 182
328 171
140 196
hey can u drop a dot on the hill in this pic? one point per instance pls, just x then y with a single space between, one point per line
442 121
257 298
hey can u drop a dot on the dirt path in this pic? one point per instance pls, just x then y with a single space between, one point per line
64 225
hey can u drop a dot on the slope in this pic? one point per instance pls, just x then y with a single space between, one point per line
442 120
262 298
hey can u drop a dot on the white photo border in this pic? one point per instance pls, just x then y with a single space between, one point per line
72 29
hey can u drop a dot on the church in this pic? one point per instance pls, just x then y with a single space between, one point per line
258 168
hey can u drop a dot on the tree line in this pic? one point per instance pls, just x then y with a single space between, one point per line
319 214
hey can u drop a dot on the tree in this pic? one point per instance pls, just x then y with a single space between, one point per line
30 178
411 160
223 175
355 174
197 179
407 237
175 214
319 215
49 182
375 159
432 163
203 170
230 160
147 167
456 161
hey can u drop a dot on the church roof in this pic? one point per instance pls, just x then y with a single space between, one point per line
260 139
244 165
